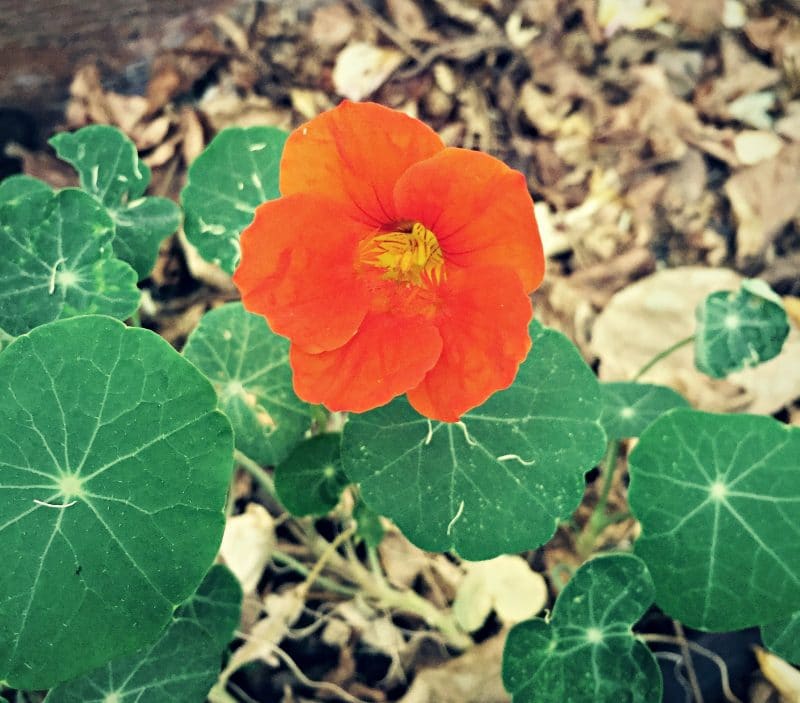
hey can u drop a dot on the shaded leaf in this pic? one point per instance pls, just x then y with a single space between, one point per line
369 525
111 171
739 330
783 637
249 367
14 189
714 492
216 606
235 174
630 407
501 479
57 261
586 652
114 467
310 480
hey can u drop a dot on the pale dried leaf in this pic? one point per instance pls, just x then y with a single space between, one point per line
408 17
332 25
781 674
247 544
614 15
754 146
362 68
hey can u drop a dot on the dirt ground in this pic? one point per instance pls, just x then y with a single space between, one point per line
654 134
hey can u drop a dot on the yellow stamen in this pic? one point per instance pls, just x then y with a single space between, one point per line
407 256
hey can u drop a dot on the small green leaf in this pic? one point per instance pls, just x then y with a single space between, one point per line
114 467
500 480
111 171
586 652
15 189
783 638
739 330
718 499
249 367
182 665
216 606
236 173
57 261
310 480
368 524
630 407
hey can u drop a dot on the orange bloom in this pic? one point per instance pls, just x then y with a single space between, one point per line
394 265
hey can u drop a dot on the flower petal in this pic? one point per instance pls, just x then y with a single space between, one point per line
483 322
479 209
355 153
297 270
389 355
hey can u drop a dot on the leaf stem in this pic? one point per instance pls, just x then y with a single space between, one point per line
300 568
598 520
254 469
663 355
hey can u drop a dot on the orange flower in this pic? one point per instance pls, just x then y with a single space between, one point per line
394 265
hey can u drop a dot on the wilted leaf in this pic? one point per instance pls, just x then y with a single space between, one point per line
247 545
363 68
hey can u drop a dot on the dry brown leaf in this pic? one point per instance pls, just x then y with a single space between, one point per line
362 68
409 18
247 545
224 107
193 136
152 134
764 197
473 677
652 314
332 25
753 146
698 18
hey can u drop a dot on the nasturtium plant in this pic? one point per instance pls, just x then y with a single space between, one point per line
58 260
499 480
585 652
628 408
114 467
368 524
718 499
249 367
15 189
310 480
736 330
110 170
783 637
181 665
235 174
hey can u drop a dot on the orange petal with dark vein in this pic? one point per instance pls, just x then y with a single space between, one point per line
480 210
387 356
297 269
484 327
355 153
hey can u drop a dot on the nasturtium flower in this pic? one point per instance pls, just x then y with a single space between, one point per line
394 265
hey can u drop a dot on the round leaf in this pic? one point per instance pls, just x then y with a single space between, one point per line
57 261
249 367
236 173
310 480
783 638
587 653
182 665
500 480
718 499
111 171
14 189
630 407
114 467
739 330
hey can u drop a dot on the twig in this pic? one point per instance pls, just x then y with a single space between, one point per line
397 36
303 679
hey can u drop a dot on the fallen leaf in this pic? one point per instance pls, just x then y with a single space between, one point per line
781 674
362 68
247 545
614 15
506 585
331 25
754 146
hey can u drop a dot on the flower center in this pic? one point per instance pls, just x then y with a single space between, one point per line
411 256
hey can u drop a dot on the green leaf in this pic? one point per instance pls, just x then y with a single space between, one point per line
114 468
586 652
237 172
739 330
57 261
249 367
216 606
500 480
310 480
15 189
111 171
630 407
783 638
718 499
182 665
368 524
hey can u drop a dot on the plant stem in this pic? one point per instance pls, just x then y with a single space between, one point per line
598 520
261 477
663 355
303 570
